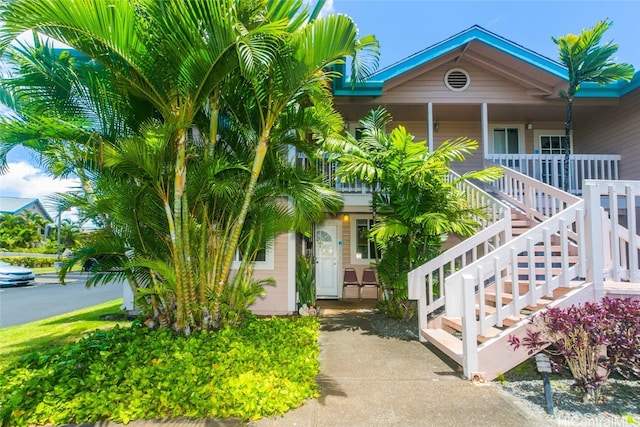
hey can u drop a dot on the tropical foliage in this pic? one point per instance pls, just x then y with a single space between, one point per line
262 369
183 154
587 61
416 201
24 230
594 340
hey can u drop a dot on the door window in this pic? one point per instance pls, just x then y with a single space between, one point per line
552 144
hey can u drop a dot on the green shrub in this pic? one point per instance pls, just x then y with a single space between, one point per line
264 368
30 262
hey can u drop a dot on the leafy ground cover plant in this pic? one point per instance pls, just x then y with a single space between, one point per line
593 339
264 368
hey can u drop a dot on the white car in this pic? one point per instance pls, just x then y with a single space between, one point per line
12 275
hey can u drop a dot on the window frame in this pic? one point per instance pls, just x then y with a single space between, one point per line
353 232
537 134
267 264
499 126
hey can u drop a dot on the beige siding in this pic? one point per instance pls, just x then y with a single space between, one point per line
276 298
484 86
613 130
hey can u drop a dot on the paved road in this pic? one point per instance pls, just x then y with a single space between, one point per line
47 297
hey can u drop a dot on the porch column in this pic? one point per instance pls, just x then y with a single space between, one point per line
485 131
430 126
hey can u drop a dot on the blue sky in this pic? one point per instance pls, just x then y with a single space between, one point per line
404 27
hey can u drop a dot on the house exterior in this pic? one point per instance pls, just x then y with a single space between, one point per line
478 85
15 205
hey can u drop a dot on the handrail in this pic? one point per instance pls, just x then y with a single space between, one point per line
496 232
561 217
502 265
536 199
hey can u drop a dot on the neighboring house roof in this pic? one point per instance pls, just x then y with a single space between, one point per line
15 205
458 45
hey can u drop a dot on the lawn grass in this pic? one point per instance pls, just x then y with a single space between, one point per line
17 341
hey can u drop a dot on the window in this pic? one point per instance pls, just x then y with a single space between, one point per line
552 144
506 140
264 258
364 248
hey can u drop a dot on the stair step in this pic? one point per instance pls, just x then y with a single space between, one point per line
445 342
455 324
538 271
540 259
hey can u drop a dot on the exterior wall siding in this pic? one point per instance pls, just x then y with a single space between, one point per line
613 130
484 86
276 297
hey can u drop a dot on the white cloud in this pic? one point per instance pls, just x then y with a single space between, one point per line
28 181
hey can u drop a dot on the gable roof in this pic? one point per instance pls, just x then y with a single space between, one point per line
459 44
14 205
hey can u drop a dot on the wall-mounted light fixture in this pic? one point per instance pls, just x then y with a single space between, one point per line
345 218
529 126
436 126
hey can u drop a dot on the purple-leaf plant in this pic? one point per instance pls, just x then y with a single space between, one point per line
594 339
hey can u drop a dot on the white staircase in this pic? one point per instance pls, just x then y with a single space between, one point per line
492 283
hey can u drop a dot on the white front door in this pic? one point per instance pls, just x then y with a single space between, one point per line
326 261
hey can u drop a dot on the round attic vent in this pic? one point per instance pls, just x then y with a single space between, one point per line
456 79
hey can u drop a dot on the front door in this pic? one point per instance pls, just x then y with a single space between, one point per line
326 261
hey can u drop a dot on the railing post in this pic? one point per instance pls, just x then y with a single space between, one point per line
469 328
417 290
595 238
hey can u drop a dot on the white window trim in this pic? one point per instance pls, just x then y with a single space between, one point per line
267 264
353 245
520 128
549 132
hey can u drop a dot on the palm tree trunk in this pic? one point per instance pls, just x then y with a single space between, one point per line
182 294
232 245
567 143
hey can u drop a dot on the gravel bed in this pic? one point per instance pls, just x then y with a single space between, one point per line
620 399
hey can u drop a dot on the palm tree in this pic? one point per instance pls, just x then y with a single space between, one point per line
249 60
417 202
587 61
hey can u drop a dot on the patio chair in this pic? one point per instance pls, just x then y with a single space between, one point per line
369 288
350 284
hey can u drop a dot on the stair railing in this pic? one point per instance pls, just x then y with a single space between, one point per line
610 202
466 296
426 283
562 220
536 199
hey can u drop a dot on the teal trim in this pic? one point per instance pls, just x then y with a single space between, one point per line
611 90
475 33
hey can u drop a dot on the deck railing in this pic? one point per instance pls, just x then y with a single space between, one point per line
328 169
549 168
427 282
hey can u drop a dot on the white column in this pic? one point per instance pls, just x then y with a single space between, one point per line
485 131
430 126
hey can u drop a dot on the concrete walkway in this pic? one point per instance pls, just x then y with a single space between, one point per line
367 380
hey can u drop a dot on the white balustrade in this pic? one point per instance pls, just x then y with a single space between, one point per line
549 168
